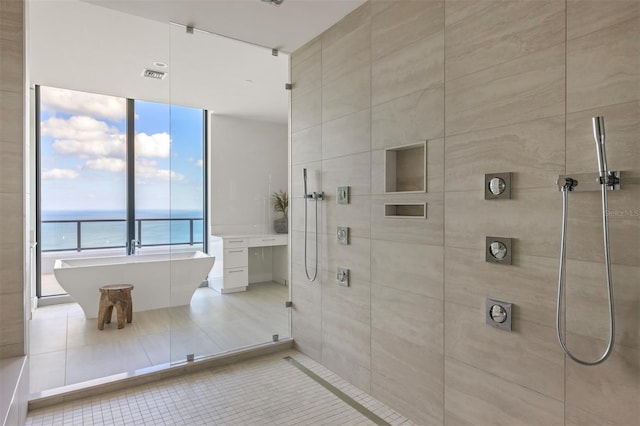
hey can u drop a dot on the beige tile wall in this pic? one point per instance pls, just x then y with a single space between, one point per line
12 325
603 78
492 86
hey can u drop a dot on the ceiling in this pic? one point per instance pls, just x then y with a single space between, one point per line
286 27
77 45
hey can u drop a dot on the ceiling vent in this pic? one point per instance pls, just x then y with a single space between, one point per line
158 75
273 2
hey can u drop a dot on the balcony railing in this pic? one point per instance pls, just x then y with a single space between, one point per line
105 230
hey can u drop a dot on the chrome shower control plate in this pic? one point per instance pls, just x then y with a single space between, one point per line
343 277
497 186
343 235
499 250
343 195
498 314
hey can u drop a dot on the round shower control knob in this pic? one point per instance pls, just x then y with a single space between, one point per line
498 250
497 186
498 314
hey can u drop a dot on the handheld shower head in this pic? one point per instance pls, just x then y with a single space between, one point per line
304 176
599 137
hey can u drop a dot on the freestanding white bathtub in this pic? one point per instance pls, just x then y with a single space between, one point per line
159 281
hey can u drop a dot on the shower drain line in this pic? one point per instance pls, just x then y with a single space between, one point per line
337 392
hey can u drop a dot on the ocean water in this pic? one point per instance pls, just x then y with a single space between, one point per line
173 228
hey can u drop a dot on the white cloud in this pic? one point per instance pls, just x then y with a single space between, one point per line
103 148
157 145
107 164
199 163
148 169
82 103
59 174
85 137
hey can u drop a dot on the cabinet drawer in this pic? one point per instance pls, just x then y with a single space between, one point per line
235 243
236 257
236 277
275 240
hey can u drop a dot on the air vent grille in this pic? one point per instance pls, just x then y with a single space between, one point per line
158 75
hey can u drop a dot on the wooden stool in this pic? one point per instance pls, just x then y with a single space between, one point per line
118 295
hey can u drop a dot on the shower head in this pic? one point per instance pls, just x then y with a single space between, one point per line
599 137
304 176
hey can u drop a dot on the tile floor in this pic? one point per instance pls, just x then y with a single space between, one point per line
263 391
67 348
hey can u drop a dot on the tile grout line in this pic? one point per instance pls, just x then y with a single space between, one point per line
466 132
371 312
489 373
323 208
507 61
444 208
566 92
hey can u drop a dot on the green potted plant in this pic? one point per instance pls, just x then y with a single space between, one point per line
280 202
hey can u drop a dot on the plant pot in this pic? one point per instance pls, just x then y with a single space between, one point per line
281 226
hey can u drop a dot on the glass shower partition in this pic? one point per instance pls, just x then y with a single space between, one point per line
214 74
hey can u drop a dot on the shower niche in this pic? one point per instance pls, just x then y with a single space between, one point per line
406 210
405 169
405 172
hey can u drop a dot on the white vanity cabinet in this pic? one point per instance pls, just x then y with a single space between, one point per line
230 272
268 240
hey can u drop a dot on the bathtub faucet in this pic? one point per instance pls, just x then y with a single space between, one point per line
131 247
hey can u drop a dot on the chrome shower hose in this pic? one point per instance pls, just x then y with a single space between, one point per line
562 272
306 270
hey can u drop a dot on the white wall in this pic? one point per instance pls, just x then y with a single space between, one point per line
247 162
81 46
75 45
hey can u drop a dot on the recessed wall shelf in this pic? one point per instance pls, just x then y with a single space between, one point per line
405 168
406 210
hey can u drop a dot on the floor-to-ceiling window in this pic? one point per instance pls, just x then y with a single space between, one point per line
82 183
110 174
169 185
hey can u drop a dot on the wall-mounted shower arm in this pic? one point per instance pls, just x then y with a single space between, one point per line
569 183
591 182
315 196
611 180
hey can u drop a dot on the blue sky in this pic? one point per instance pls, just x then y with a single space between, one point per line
83 153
